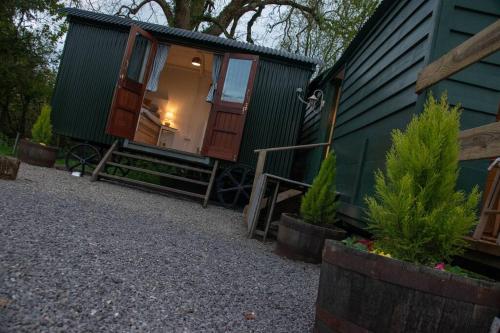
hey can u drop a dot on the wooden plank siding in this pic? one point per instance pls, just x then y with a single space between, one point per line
477 87
378 93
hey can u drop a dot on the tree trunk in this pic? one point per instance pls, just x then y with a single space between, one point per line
4 114
24 111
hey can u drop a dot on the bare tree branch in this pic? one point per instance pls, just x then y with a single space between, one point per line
135 8
251 22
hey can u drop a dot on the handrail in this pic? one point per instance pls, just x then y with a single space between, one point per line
312 145
261 161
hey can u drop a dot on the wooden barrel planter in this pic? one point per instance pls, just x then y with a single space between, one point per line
365 292
9 167
37 154
303 241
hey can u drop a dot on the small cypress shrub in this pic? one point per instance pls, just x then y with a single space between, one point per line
42 129
417 214
318 205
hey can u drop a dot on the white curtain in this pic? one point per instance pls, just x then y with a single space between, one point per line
216 66
158 64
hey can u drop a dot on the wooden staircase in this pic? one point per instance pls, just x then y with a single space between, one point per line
154 173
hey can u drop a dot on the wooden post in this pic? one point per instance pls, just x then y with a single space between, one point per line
334 118
103 162
271 210
210 183
15 143
259 169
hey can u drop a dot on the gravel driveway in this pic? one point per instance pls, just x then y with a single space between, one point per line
77 256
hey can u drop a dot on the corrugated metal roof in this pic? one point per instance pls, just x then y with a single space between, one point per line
191 35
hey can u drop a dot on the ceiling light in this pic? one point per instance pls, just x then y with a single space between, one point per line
196 62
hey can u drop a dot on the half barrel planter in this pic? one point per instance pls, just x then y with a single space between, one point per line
365 292
299 240
37 154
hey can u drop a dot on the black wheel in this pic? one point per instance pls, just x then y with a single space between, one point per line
83 158
116 170
234 185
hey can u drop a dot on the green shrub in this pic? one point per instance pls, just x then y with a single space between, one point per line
318 205
416 214
42 129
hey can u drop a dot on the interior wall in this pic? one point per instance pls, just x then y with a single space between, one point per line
181 97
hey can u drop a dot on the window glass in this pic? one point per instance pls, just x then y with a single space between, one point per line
236 81
138 59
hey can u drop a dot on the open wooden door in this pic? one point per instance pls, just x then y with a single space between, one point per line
227 117
131 86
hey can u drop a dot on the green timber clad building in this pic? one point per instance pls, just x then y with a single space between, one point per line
376 79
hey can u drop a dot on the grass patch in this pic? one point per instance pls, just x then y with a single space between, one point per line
5 150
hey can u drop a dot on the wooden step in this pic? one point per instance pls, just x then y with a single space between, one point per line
156 173
154 160
491 212
150 185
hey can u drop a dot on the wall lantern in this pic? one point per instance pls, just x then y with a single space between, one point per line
314 101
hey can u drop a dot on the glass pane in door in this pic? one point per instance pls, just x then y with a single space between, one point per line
236 80
138 59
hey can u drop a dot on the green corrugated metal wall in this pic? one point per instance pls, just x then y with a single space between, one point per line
86 80
378 94
89 69
274 116
476 88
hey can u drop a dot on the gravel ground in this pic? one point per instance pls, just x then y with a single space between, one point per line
77 256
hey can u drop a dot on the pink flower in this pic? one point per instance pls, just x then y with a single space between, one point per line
367 243
440 266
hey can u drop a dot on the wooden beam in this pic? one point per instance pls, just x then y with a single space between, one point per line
312 145
333 113
103 161
472 50
210 183
480 142
483 246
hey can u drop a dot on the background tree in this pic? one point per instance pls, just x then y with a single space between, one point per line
208 16
29 32
316 28
327 38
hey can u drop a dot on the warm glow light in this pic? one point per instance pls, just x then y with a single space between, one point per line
196 62
169 115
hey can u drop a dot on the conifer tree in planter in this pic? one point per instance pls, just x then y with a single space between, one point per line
419 219
303 237
38 150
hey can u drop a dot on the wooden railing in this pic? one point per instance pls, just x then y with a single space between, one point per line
261 161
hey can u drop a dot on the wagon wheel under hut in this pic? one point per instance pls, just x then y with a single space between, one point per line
234 185
116 170
83 158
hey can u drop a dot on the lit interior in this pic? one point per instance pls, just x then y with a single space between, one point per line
183 111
